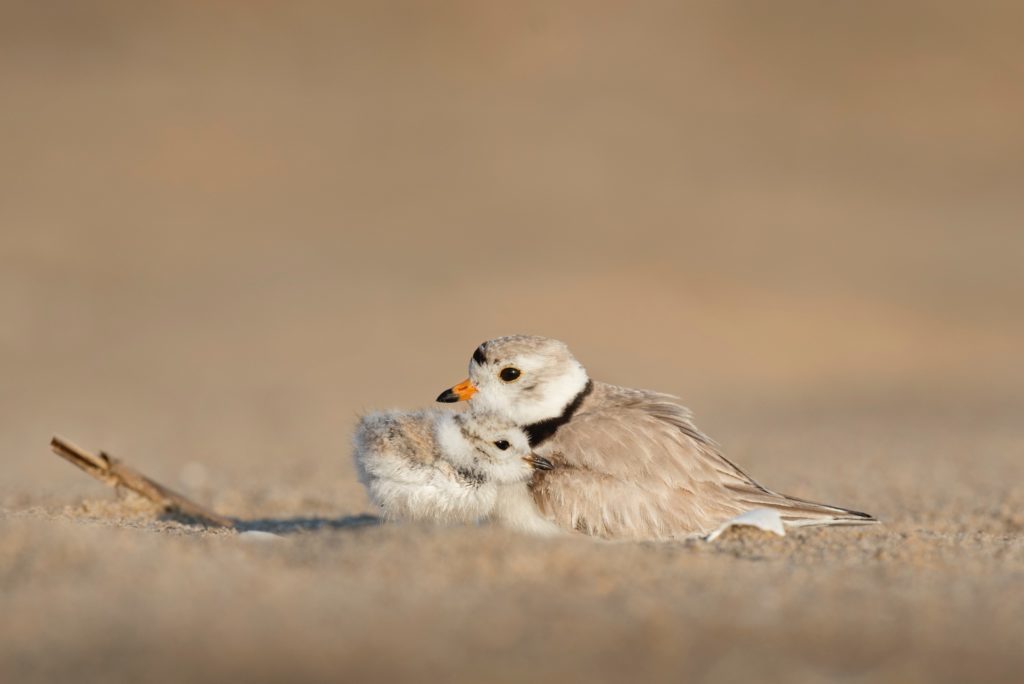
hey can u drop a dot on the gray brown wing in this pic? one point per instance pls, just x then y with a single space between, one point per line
635 466
623 474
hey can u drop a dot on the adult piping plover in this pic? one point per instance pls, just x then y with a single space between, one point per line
449 468
628 463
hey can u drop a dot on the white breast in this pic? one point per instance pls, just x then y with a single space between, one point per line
514 508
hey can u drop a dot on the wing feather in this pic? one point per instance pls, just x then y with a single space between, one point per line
633 465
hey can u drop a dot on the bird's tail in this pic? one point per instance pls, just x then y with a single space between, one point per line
802 513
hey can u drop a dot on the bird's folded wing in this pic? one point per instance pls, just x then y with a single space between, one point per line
636 466
643 435
638 471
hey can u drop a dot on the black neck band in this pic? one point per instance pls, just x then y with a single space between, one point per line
542 430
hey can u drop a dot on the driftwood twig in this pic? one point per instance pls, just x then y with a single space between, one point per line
116 474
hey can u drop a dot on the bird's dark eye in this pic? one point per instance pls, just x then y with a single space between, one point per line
509 374
502 444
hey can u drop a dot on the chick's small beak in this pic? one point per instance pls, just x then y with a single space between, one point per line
539 462
461 392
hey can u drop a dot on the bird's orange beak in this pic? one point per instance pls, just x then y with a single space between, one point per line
461 392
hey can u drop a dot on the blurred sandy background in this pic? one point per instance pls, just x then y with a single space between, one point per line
226 228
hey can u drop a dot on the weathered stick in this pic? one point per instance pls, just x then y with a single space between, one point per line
116 474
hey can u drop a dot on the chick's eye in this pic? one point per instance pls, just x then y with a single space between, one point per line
501 444
509 374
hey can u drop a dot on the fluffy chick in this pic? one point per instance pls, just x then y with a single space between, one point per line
448 468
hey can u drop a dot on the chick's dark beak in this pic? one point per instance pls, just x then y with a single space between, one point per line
539 462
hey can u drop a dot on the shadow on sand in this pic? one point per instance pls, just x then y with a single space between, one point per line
293 525
279 526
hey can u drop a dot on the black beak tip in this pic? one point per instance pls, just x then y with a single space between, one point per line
448 397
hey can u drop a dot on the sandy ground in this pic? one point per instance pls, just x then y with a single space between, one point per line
91 592
226 229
